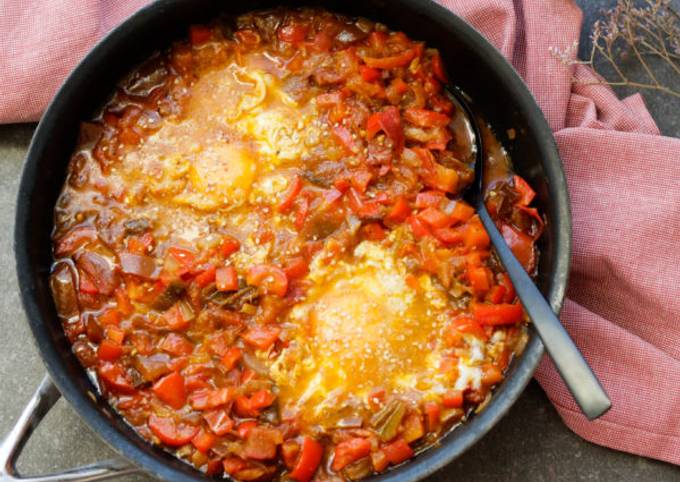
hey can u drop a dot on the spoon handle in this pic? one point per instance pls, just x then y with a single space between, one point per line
579 378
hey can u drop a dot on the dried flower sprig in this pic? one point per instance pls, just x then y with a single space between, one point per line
643 33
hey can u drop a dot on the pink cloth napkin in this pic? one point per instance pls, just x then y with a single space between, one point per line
623 306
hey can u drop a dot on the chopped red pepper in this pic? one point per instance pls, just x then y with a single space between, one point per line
350 451
308 460
501 314
226 279
170 432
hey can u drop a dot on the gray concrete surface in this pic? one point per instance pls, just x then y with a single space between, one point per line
529 444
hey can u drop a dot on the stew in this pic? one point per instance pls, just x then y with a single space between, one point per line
263 258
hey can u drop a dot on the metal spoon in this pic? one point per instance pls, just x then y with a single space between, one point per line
580 379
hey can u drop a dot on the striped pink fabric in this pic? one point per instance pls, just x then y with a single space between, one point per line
623 306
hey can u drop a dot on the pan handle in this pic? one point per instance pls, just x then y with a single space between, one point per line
11 446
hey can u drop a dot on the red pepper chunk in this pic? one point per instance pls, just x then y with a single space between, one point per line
350 451
114 378
199 34
170 389
308 460
293 33
204 441
270 278
170 432
399 212
501 314
109 351
207 276
369 74
398 451
219 422
226 279
400 60
176 345
526 194
388 121
210 399
453 399
289 198
426 118
262 337
231 357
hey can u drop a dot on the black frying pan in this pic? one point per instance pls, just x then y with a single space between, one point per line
473 64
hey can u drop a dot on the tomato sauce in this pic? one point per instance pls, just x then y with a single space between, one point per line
263 258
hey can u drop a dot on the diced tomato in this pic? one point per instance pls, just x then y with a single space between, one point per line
170 389
462 211
233 465
350 451
123 304
522 246
262 337
110 316
229 245
496 294
183 256
289 198
426 118
109 351
346 139
501 314
400 60
199 34
400 211
509 288
448 235
369 74
176 344
434 218
373 232
114 334
207 276
322 42
231 357
74 239
435 175
453 399
429 199
174 318
210 399
226 279
363 207
379 460
360 179
170 432
389 121
464 324
480 280
269 278
418 227
115 378
247 37
438 69
308 460
244 428
432 415
262 442
293 33
251 406
491 375
398 451
204 441
377 39
526 194
219 422
296 268
475 235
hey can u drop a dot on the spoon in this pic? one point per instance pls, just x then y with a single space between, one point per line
573 368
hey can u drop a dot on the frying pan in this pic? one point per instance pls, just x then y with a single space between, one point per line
474 65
